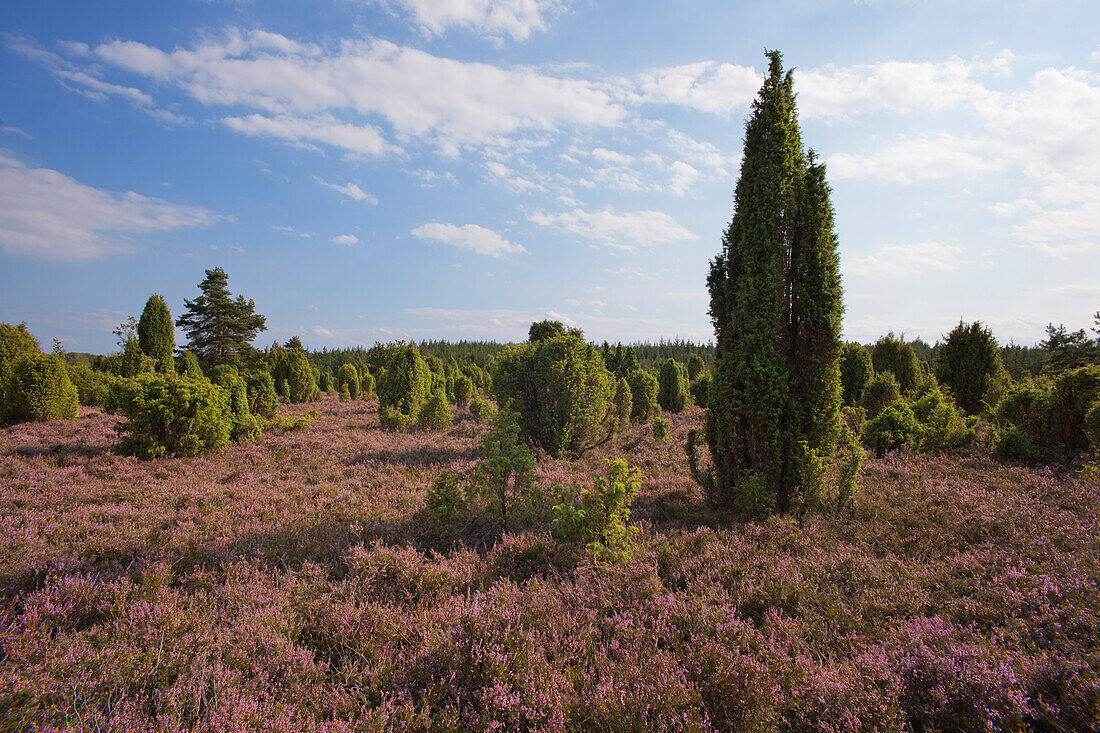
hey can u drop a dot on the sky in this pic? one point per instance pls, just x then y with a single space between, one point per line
374 170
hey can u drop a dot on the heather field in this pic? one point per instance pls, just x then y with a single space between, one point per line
298 583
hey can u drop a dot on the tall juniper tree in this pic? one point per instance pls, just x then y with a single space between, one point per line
156 336
776 306
220 329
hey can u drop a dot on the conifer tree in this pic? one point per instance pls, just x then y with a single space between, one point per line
156 335
968 363
219 328
774 399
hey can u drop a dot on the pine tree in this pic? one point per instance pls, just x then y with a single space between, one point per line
776 308
219 328
156 335
968 363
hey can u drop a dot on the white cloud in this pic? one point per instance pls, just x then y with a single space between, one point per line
904 260
351 190
921 158
617 230
508 177
321 331
345 239
515 18
335 96
364 139
291 231
683 176
46 214
705 86
470 236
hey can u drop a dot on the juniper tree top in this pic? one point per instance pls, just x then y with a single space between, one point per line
775 302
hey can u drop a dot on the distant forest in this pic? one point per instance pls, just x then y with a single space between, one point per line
1020 361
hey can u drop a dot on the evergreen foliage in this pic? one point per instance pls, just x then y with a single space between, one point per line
300 384
776 307
893 355
133 361
700 390
855 372
643 390
243 424
562 391
505 472
262 399
445 499
1068 349
673 389
969 363
464 391
624 404
882 391
436 413
406 387
1052 415
220 329
15 343
599 518
366 387
156 334
189 366
37 389
348 377
695 366
169 415
92 386
895 427
543 330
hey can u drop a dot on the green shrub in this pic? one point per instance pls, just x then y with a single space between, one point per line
700 390
391 418
881 392
482 409
436 413
1092 425
505 473
287 423
1053 416
895 427
348 377
695 367
157 334
15 343
169 415
92 387
561 390
445 500
968 363
893 355
673 394
464 391
940 425
599 518
300 384
1013 444
188 365
38 388
623 404
855 372
133 360
643 390
1075 392
262 399
407 384
345 393
660 429
244 425
366 386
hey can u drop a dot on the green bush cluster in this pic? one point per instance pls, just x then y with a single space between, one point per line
244 426
347 380
405 389
561 390
156 334
673 395
598 519
855 372
170 415
436 413
1048 419
643 390
929 422
38 388
301 384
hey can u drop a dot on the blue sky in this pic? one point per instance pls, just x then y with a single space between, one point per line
369 170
